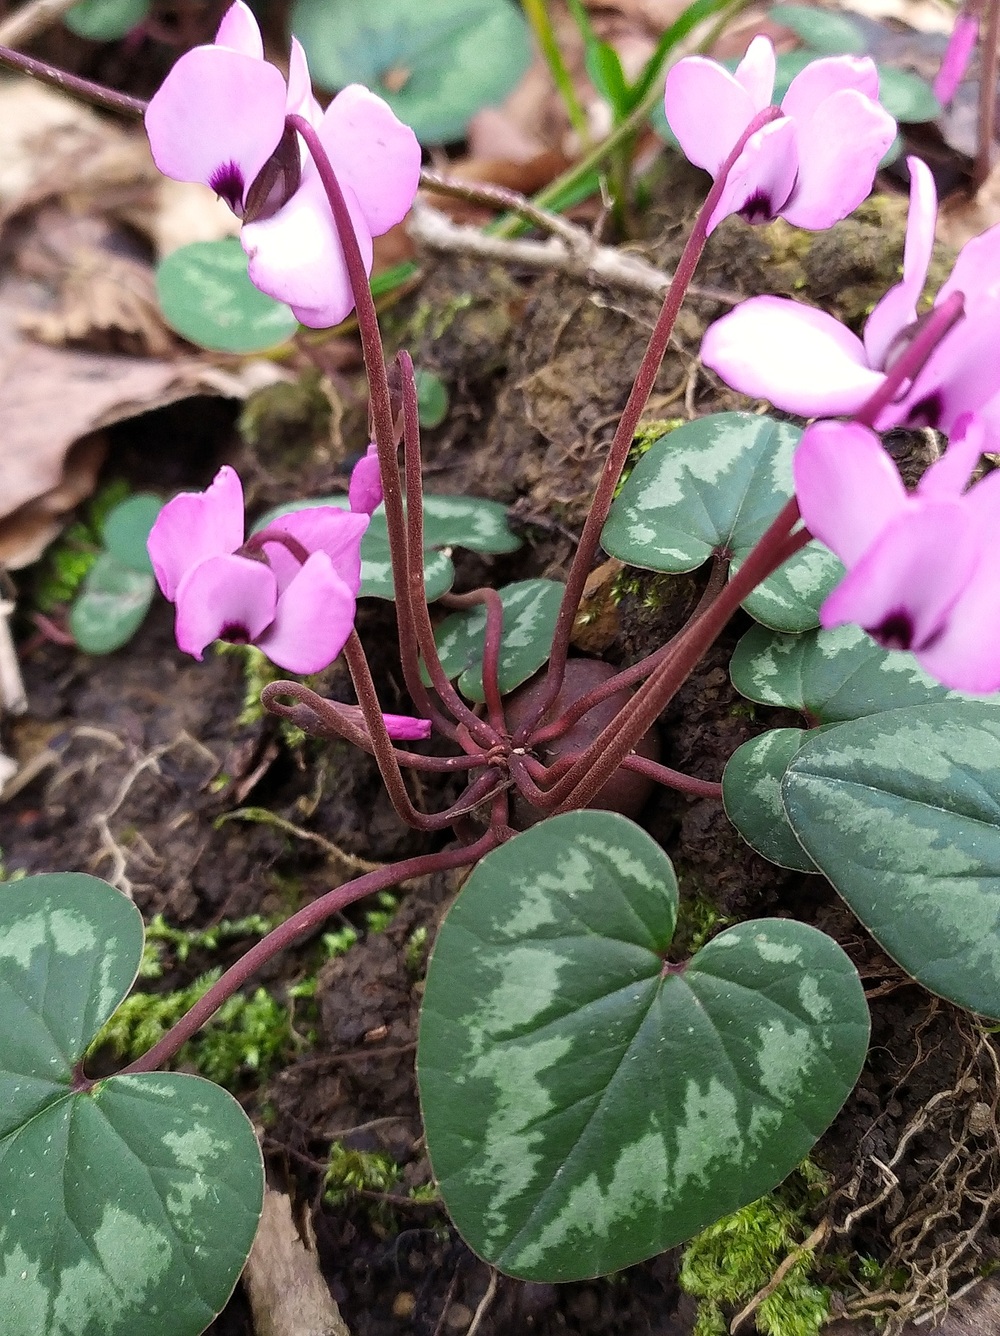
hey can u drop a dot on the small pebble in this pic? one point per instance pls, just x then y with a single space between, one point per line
403 1304
459 1317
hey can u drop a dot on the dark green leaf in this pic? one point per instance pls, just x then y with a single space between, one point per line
827 31
126 529
715 485
207 297
585 1107
449 521
530 611
436 63
906 96
901 811
751 792
830 676
432 399
105 20
111 605
129 1206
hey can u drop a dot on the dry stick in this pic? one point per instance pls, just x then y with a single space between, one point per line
581 257
622 442
32 19
292 930
84 89
478 729
989 54
814 1240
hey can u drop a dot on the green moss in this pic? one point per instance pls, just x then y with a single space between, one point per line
287 418
730 1262
61 571
377 920
352 1171
250 1034
698 921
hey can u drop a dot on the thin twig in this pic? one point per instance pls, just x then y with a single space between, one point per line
31 19
811 1244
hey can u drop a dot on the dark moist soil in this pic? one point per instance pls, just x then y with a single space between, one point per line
133 759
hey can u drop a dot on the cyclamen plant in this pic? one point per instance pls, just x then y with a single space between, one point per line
589 1100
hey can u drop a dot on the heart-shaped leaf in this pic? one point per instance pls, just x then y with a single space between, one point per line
436 63
830 675
530 608
130 1204
715 485
126 527
110 607
105 20
907 97
901 811
587 1106
432 398
829 33
751 794
449 521
206 295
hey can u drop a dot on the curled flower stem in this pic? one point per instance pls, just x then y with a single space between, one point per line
599 761
307 920
625 432
322 718
385 752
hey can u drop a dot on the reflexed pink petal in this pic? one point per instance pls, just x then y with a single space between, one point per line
957 55
755 72
976 272
961 376
365 491
762 177
231 597
358 131
903 588
949 476
840 148
898 308
295 255
239 31
822 78
967 655
327 529
847 487
802 360
693 85
313 619
195 526
301 101
198 122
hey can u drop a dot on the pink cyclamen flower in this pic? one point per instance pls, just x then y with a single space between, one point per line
812 165
957 55
402 727
805 361
365 491
219 118
923 567
290 589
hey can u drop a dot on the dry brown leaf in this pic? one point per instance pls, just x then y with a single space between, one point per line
288 1295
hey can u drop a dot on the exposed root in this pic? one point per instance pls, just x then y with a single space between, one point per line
942 1234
